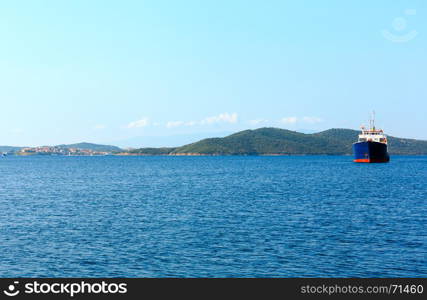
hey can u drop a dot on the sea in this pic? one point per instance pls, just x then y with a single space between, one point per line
232 216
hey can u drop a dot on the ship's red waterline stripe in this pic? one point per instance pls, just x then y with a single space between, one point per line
368 160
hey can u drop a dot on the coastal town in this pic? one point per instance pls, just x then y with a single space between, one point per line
49 150
54 150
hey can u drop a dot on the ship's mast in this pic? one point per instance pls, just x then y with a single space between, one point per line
372 121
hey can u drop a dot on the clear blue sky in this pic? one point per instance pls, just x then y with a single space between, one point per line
106 71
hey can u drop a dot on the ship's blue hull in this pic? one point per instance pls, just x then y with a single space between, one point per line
370 152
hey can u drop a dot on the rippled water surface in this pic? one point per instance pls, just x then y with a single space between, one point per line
212 217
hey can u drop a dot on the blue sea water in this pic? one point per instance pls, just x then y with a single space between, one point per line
310 216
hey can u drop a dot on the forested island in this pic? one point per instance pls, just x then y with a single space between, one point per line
275 141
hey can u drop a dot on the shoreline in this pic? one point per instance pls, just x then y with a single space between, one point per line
219 154
126 154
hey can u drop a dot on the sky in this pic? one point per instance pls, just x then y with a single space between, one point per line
138 73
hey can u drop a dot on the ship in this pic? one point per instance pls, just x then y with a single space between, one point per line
371 146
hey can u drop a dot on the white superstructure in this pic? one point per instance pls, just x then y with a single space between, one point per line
372 134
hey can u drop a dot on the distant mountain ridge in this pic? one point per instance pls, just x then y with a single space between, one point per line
276 141
93 147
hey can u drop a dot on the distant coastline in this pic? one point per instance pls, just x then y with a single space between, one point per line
258 142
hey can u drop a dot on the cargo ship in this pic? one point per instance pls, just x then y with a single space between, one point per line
371 146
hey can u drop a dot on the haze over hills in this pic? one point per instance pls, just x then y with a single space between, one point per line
80 146
275 141
169 140
9 149
93 147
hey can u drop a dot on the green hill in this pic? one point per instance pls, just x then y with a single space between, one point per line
264 141
270 141
93 147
